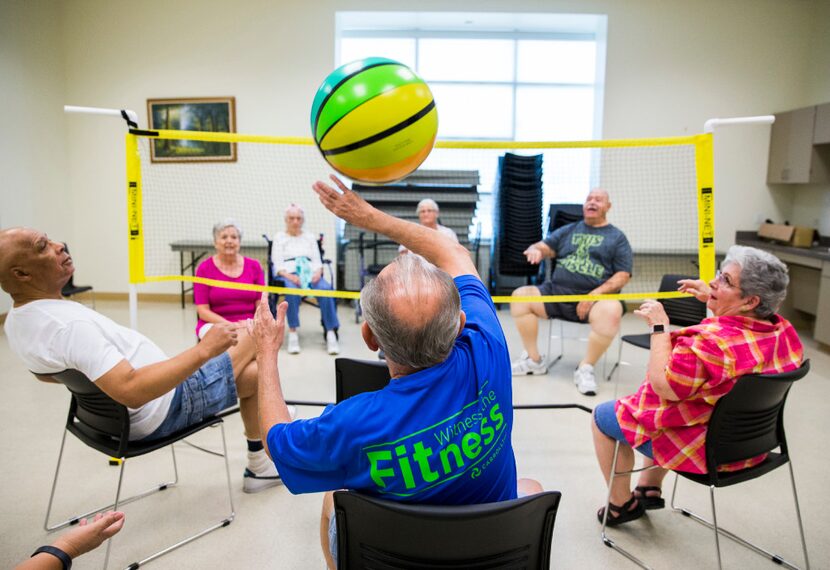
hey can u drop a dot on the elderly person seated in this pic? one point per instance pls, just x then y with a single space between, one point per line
296 260
217 304
428 212
688 371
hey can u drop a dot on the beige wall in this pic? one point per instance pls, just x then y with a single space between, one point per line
671 65
34 186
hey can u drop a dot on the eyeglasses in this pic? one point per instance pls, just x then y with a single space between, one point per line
724 279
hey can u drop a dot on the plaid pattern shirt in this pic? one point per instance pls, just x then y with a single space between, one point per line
705 362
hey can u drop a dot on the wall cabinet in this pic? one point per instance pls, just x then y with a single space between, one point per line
794 156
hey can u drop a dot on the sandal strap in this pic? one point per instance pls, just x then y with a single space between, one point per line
626 506
648 489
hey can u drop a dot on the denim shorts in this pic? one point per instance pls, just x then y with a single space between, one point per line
205 393
606 419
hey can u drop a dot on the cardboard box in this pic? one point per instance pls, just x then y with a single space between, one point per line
796 236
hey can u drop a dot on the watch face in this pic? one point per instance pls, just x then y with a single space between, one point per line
658 329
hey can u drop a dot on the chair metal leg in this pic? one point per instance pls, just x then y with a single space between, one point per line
74 519
605 538
553 361
751 546
798 516
221 524
115 508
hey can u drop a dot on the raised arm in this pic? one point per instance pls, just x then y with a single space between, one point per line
437 248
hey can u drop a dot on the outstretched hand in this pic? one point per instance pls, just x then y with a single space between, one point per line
696 287
89 535
345 204
653 313
268 332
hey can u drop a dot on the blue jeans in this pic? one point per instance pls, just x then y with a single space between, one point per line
606 419
328 309
206 392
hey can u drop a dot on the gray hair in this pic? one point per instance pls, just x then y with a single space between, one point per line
293 206
414 345
762 274
426 202
226 223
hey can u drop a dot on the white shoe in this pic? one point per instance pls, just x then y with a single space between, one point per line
331 343
293 343
525 365
260 473
585 381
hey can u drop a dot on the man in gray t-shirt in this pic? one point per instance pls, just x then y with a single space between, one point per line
593 257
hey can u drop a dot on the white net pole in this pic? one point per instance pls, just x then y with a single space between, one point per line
129 116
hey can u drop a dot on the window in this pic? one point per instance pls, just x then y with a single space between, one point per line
498 76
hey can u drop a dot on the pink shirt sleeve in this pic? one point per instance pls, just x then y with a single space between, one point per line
200 291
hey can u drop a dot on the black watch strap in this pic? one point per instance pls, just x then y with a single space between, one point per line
657 329
57 553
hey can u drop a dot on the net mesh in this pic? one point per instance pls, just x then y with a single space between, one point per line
654 187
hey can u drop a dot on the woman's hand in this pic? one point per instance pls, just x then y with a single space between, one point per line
696 287
653 313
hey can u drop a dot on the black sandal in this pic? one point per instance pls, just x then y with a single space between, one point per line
624 513
650 502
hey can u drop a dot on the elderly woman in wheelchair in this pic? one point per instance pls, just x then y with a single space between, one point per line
688 371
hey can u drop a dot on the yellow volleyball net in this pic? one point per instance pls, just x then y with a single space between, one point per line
661 192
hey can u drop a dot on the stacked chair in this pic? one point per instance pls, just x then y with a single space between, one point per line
517 219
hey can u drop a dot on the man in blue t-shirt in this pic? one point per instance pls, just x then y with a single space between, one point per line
592 257
440 432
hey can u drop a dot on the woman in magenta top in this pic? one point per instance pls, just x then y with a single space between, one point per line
689 370
219 305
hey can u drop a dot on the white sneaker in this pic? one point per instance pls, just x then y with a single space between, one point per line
525 365
293 343
260 473
331 343
585 381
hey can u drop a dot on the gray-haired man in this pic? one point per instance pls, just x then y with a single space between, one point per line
440 432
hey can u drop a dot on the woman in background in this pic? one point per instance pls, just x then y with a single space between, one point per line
219 305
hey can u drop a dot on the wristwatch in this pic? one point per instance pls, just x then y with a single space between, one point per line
657 329
57 553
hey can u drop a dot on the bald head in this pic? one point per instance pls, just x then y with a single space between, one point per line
32 266
596 206
414 311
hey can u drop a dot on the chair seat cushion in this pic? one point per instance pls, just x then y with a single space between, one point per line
639 340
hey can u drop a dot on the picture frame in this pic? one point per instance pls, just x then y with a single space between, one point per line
212 114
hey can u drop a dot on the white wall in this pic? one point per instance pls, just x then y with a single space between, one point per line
672 64
34 188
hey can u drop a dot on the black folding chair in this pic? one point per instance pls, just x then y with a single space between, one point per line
104 425
354 377
373 533
682 312
745 423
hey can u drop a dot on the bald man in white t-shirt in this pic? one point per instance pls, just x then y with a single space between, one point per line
163 395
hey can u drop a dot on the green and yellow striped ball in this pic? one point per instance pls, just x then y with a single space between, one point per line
374 120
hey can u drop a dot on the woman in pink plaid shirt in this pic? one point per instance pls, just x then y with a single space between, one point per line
689 370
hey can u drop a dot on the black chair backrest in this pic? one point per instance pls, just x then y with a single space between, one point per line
749 420
357 376
685 311
563 214
373 533
95 418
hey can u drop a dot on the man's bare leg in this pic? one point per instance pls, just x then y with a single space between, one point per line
604 319
243 360
526 316
325 521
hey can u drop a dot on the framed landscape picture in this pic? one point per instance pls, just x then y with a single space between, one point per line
212 114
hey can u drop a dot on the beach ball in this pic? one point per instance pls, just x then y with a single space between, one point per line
374 120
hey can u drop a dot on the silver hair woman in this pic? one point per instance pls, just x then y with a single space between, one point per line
688 371
226 223
427 339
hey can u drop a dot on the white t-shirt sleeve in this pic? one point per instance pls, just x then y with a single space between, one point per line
82 346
